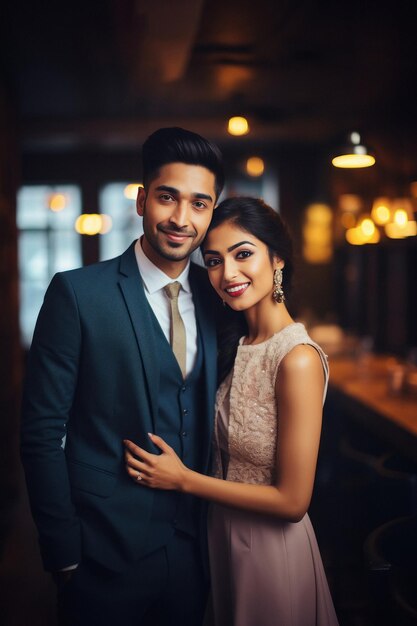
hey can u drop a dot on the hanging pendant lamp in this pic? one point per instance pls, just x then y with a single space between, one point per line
353 154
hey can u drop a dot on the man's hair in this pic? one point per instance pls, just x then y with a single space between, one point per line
177 145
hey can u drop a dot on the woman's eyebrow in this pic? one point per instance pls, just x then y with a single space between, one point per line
236 245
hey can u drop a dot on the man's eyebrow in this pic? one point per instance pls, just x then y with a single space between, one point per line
236 245
202 196
174 191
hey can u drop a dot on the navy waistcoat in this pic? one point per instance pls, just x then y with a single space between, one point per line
179 423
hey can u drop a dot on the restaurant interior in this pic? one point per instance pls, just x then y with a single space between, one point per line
313 104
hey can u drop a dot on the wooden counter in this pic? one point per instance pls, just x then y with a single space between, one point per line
360 388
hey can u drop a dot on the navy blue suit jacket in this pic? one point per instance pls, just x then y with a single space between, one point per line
93 376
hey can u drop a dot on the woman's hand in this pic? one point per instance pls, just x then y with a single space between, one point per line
159 471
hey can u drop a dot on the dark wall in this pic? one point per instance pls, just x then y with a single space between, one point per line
10 358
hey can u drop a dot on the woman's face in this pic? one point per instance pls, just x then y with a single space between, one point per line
239 266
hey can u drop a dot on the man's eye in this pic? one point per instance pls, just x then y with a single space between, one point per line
166 197
244 254
212 262
199 205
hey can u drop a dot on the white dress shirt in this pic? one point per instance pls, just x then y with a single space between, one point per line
154 280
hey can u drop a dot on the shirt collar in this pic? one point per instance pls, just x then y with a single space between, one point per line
155 279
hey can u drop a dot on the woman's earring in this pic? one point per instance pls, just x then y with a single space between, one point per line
278 293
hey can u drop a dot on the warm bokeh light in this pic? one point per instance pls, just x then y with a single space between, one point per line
400 217
348 220
352 161
381 211
238 126
57 202
396 231
131 191
255 166
93 224
106 224
350 202
319 213
358 237
317 233
367 227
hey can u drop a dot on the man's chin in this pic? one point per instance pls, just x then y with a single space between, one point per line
176 253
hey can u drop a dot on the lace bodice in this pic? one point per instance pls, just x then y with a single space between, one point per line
253 414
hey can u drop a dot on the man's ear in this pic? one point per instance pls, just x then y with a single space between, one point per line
140 201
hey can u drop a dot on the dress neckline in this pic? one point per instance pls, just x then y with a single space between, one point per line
252 346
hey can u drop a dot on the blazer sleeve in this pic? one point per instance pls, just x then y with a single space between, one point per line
49 389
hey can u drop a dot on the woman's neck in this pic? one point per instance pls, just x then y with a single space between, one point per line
264 320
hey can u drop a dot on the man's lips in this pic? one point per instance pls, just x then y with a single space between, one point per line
236 290
175 236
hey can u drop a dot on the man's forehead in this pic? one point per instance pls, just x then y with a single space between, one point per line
196 178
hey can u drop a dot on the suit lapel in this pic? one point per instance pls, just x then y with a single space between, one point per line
141 316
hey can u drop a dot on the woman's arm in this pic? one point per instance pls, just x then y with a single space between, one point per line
299 391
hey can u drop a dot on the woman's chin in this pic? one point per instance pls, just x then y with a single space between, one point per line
237 305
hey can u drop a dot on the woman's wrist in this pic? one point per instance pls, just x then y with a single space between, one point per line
185 482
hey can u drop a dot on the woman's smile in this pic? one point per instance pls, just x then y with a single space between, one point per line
236 289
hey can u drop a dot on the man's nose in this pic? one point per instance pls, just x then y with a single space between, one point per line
180 216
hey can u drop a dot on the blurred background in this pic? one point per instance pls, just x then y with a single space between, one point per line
83 83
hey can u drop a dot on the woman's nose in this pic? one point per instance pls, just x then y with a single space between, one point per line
230 270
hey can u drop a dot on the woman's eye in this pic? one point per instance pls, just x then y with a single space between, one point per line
212 262
244 254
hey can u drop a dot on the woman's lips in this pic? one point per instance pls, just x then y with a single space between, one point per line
236 290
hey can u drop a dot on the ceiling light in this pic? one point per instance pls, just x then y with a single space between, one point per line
353 155
238 126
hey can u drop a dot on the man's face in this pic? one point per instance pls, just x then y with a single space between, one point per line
177 209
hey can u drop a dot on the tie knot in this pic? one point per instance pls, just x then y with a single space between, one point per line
172 290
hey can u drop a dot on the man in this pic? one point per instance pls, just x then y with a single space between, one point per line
117 354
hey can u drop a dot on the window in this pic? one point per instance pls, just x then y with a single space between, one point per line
126 224
48 244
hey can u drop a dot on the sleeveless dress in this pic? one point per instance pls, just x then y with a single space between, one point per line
264 571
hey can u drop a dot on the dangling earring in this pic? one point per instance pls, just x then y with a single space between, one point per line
278 294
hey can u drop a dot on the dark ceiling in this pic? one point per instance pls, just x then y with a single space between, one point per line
108 72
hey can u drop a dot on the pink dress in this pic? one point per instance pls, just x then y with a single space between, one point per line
265 572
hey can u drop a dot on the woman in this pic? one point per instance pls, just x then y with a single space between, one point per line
265 563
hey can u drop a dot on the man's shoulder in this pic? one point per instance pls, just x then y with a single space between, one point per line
95 271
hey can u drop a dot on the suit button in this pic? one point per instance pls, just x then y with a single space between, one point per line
185 411
184 433
184 388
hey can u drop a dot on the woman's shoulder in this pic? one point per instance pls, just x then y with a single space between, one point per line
294 349
301 358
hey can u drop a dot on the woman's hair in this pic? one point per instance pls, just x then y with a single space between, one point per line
178 145
261 221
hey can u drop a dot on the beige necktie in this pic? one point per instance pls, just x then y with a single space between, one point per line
177 331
